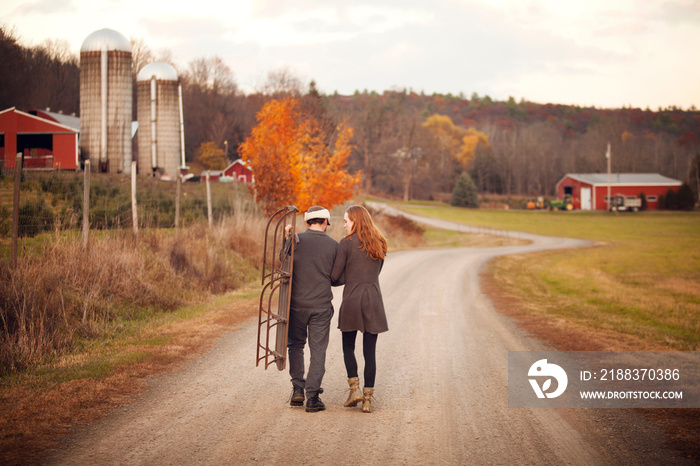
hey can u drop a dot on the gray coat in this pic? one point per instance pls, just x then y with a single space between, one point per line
362 308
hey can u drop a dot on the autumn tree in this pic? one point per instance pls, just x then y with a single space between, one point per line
293 163
211 156
453 146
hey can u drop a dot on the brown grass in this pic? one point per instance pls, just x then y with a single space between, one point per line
56 300
401 232
36 411
682 426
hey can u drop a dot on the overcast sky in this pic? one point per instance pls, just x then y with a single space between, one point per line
607 53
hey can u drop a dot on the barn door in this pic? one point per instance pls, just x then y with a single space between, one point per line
585 198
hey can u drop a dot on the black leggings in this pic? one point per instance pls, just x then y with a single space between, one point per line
369 346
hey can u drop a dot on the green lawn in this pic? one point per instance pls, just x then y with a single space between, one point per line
642 278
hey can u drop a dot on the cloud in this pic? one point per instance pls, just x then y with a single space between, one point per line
681 11
43 8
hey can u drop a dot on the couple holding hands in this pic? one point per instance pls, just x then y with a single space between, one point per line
319 263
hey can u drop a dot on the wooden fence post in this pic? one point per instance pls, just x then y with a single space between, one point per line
209 214
134 214
177 200
235 194
86 203
15 208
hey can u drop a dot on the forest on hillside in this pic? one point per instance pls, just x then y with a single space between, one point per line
407 145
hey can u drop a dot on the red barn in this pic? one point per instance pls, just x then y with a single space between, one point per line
42 142
240 172
589 191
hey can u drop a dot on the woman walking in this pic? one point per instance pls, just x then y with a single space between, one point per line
359 260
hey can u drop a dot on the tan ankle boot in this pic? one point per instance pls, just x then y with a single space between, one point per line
367 399
355 395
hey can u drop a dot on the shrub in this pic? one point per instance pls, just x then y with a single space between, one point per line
645 204
671 199
465 193
34 218
685 198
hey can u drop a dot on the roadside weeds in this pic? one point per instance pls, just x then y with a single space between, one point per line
36 411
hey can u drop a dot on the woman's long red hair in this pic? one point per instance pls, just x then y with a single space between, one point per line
371 239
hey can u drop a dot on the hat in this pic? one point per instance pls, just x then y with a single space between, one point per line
317 212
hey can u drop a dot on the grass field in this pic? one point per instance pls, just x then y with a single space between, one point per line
641 280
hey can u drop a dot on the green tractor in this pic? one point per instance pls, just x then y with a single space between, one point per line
566 204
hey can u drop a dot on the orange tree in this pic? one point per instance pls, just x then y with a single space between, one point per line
293 163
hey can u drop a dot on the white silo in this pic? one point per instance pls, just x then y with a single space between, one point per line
105 101
159 112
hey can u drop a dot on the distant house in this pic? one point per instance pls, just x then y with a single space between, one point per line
44 142
589 191
239 171
214 175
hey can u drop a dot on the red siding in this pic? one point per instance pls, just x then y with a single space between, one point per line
64 139
240 172
64 151
602 191
599 193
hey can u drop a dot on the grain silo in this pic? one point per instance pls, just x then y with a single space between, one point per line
159 112
105 101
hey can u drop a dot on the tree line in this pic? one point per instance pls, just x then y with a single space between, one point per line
406 144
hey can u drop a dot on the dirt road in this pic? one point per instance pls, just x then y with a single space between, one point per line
441 393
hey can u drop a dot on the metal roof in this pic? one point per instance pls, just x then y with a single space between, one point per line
624 179
70 121
161 70
105 37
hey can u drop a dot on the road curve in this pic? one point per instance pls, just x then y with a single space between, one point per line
441 392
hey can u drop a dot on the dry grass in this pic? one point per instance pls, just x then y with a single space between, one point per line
38 407
401 233
56 301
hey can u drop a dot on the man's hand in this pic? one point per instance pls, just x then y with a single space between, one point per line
287 230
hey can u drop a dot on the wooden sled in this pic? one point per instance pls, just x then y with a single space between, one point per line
277 268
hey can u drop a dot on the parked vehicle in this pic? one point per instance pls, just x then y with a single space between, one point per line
566 204
626 203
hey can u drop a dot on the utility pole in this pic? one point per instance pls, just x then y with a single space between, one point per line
608 155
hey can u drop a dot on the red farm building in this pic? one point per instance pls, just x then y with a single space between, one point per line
44 141
589 191
240 172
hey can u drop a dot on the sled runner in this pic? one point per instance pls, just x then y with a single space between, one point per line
275 297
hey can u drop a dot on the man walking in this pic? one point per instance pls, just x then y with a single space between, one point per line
311 307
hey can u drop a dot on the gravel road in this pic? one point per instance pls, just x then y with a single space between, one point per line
441 393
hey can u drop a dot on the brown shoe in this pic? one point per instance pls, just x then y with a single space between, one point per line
367 399
297 398
355 395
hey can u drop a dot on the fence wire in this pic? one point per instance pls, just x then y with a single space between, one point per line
53 201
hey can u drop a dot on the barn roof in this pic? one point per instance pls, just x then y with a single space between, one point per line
71 121
238 162
624 179
43 125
